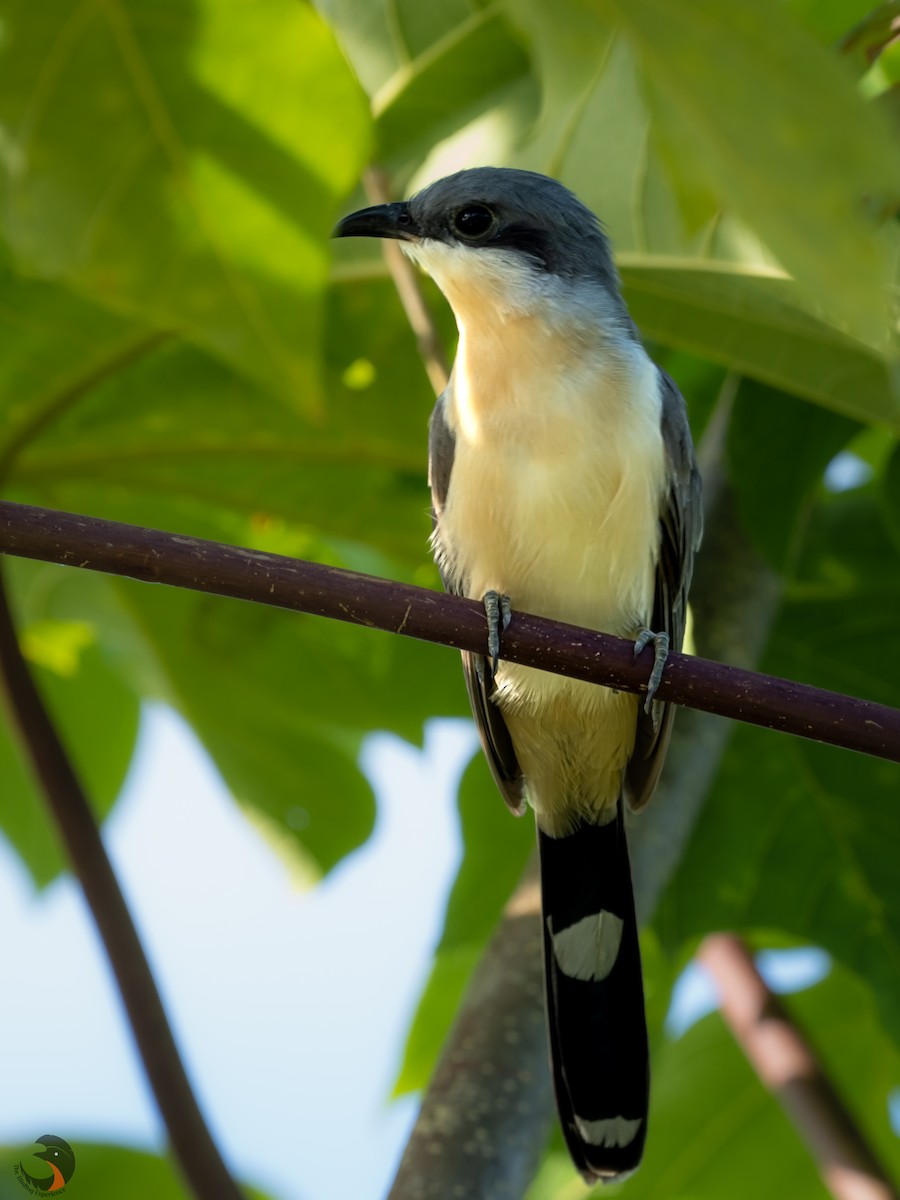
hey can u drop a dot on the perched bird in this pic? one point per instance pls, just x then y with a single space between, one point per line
563 483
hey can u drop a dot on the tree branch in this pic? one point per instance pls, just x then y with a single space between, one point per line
191 1141
273 579
789 1068
487 1112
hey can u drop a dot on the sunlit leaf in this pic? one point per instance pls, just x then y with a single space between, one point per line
157 160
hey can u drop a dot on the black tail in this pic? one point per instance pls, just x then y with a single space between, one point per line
595 998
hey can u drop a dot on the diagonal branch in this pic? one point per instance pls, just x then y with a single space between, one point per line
273 579
789 1067
487 1112
191 1141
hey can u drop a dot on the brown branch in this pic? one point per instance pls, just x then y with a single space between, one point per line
428 340
273 579
192 1143
789 1068
486 1115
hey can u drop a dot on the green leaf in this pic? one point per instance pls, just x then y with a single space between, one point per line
104 1172
752 324
710 1114
282 702
771 113
838 629
778 448
57 349
204 203
165 436
840 1018
95 712
784 845
245 680
447 84
830 20
891 497
497 847
696 277
797 836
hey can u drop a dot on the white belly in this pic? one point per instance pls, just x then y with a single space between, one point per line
561 509
554 499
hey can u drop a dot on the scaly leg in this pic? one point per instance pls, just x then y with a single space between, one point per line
660 654
498 611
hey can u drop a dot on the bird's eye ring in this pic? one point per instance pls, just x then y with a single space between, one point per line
473 222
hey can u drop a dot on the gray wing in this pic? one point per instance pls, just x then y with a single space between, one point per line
681 527
495 739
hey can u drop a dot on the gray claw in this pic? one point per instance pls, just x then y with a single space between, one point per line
660 654
498 611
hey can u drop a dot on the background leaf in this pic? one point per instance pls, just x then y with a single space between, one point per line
204 204
184 349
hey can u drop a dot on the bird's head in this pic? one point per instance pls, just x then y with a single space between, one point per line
56 1151
500 239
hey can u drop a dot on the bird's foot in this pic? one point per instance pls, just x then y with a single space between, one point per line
498 611
660 654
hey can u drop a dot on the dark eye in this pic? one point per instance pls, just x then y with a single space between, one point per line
473 221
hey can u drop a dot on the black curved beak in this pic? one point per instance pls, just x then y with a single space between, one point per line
382 220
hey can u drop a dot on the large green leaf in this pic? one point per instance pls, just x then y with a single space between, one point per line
753 324
695 275
104 1172
799 836
784 844
778 449
57 348
447 84
94 709
497 846
891 497
429 68
166 436
380 37
282 702
774 120
180 162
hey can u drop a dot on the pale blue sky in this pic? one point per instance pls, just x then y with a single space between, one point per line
291 1006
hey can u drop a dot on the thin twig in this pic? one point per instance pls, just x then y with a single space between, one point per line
789 1068
191 1141
428 340
273 579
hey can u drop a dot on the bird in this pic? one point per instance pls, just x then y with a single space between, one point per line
564 483
59 1157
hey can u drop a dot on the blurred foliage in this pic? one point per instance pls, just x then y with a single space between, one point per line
105 1172
183 350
